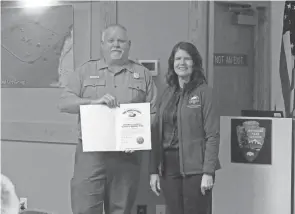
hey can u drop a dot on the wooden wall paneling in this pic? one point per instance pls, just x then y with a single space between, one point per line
103 13
210 55
82 29
262 85
198 28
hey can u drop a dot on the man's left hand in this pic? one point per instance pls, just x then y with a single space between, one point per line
207 183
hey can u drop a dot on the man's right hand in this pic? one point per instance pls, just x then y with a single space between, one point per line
108 100
155 183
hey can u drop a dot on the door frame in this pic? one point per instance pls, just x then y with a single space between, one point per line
262 58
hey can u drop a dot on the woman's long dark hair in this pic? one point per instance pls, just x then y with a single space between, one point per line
197 76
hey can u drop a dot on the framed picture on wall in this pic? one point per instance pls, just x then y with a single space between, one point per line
36 46
151 65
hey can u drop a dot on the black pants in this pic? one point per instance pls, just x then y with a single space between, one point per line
183 194
108 180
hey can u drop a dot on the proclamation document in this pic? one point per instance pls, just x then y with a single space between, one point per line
125 128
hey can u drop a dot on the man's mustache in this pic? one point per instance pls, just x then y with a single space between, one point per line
116 49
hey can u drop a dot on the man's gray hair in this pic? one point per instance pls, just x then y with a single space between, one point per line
111 26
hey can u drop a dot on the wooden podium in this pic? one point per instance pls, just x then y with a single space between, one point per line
256 156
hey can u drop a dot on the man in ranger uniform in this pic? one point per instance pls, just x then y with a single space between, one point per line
107 179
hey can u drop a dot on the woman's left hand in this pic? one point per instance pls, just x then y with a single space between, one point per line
207 183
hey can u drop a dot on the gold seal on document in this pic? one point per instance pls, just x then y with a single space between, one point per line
140 140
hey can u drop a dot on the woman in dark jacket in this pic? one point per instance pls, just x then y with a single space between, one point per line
185 136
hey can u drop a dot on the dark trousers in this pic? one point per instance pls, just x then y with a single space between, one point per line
108 180
183 194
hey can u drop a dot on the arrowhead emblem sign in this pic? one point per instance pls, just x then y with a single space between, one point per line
250 139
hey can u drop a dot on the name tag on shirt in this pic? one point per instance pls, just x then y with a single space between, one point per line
94 77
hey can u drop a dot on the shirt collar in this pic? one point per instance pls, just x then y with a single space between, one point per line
101 64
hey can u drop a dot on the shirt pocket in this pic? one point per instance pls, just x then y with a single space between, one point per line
91 87
137 91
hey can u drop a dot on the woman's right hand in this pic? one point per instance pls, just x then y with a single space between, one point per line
155 183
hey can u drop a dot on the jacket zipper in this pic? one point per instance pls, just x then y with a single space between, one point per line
180 135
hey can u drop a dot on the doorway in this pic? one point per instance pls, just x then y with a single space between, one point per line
233 63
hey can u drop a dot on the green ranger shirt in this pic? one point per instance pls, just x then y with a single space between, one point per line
133 83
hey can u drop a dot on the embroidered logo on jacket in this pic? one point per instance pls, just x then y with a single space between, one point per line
194 102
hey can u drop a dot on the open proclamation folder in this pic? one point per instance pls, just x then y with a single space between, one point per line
116 129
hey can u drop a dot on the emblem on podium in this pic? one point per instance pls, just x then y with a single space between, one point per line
250 139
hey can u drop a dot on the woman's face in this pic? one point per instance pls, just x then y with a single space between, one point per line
183 64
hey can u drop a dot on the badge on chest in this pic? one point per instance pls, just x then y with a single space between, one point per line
136 75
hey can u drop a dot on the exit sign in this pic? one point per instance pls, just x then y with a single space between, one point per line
223 59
